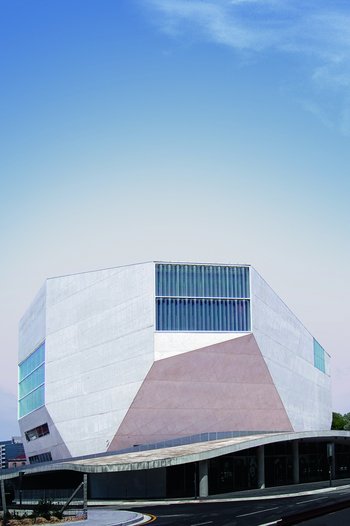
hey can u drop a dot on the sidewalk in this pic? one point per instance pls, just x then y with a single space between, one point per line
293 490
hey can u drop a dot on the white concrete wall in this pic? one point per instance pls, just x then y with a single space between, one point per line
167 344
32 330
99 348
52 442
287 348
32 326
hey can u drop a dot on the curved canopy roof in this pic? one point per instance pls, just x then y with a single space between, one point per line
172 456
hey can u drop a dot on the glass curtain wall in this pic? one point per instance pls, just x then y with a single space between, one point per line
313 461
202 298
233 472
342 461
278 464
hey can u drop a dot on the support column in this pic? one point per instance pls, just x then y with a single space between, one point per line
85 489
296 478
331 460
203 478
261 467
3 500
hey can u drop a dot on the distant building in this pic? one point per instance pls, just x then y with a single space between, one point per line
17 462
157 352
10 449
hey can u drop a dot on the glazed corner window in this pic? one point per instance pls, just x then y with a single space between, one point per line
31 374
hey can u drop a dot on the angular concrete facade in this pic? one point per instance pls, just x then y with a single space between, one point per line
226 386
98 330
287 348
114 379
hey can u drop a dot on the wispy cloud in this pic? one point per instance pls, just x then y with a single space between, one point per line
261 24
220 21
317 32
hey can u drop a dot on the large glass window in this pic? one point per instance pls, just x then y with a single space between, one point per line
319 357
202 298
202 315
31 392
202 281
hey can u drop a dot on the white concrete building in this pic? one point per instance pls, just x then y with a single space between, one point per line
157 352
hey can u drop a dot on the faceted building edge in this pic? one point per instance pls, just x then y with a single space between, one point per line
161 350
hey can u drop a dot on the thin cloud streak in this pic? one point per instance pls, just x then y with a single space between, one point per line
258 25
219 22
319 35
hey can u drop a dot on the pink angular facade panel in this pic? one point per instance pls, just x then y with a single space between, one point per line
222 387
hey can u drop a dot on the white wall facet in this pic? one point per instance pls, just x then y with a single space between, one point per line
99 348
33 325
167 344
287 348
52 442
62 287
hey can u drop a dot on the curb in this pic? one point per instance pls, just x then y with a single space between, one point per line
141 519
136 518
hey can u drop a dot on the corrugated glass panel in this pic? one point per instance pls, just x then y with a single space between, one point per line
32 362
190 314
32 401
32 381
203 281
319 357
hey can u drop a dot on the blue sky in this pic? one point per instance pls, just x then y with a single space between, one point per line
133 130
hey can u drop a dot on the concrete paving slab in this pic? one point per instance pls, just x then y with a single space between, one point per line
106 517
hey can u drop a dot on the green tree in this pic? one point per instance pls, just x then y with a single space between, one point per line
347 421
339 421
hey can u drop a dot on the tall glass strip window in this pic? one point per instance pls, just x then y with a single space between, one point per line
319 357
31 391
202 298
